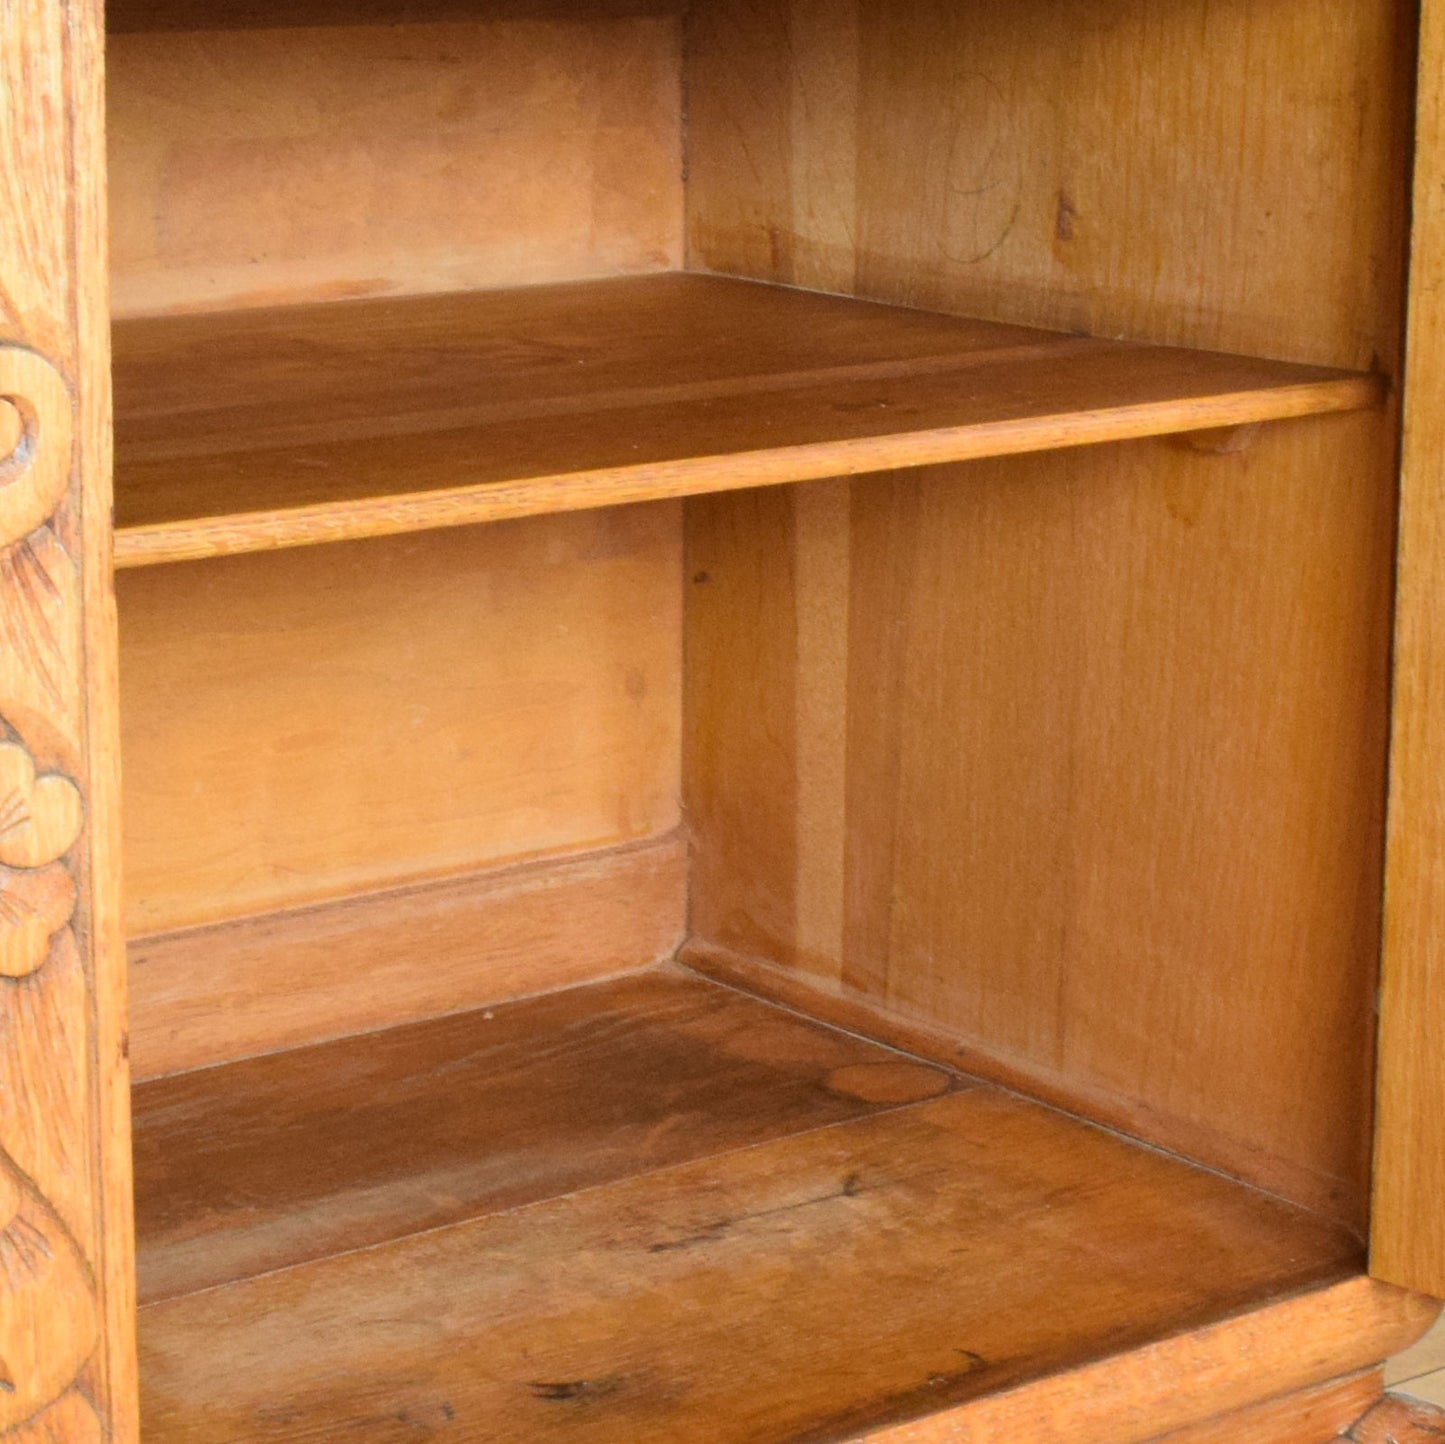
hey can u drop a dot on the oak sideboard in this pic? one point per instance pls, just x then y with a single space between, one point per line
721 721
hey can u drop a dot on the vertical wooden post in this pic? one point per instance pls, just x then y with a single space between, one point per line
66 1297
1408 1230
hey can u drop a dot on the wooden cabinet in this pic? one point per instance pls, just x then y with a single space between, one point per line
751 649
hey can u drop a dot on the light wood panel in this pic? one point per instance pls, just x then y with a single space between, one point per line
67 1335
749 1296
280 428
1041 163
1117 824
1408 1228
1107 830
212 995
364 716
318 1151
254 166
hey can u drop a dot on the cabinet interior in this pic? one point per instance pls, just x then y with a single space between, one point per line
739 621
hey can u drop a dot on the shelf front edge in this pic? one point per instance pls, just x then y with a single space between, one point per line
383 515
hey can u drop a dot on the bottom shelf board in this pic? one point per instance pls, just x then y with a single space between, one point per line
653 1209
270 1162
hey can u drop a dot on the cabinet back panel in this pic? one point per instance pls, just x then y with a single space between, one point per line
1078 759
263 166
1079 768
1210 173
302 725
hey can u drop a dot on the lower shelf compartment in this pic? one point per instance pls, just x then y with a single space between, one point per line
653 1209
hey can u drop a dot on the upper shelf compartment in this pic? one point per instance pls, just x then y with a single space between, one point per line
249 430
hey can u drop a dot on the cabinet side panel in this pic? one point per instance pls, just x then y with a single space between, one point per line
262 166
66 1297
1111 779
1408 1227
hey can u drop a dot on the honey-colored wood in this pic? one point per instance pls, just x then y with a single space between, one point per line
212 995
1026 848
1118 822
67 1366
258 166
1043 164
830 1284
384 713
1110 1402
1318 1415
317 1151
1068 766
1407 1233
1400 1421
125 16
280 428
857 1010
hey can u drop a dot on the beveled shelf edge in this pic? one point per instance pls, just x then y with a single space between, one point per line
358 518
1134 1397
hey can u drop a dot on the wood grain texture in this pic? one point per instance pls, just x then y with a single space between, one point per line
397 710
279 428
818 996
1120 820
1043 165
1318 1415
1400 1421
286 1159
826 1285
1119 1400
49 1328
71 1421
255 166
1408 1228
1087 671
213 995
66 1293
126 16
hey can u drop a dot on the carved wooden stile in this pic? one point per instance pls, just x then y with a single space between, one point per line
48 1325
64 1371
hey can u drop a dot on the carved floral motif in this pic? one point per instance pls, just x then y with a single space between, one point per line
40 816
40 813
70 1420
34 905
33 478
40 643
49 1315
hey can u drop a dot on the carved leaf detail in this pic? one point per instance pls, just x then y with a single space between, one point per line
48 1316
71 1420
34 906
40 816
34 477
40 643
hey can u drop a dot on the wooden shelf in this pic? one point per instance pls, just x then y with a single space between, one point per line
259 429
653 1208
